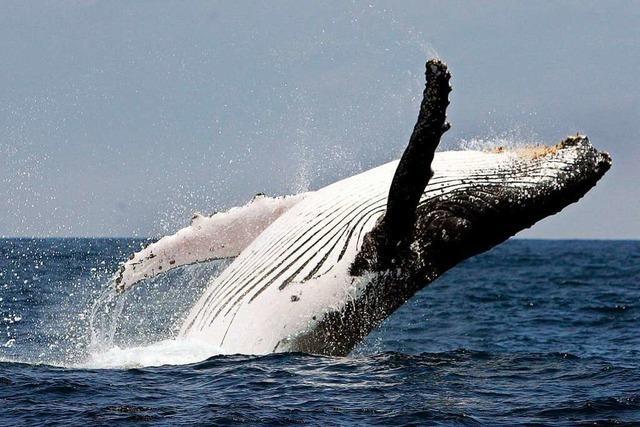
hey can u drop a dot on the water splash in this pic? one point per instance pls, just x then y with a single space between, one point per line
105 353
61 313
118 324
175 351
511 139
103 320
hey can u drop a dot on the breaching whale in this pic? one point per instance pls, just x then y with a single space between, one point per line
316 272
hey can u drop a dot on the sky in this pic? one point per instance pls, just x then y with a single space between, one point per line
123 118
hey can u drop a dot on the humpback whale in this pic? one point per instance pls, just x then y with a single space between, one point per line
316 272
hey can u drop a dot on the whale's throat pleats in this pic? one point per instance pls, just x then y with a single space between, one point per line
317 240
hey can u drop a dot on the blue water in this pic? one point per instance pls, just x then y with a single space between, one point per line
533 332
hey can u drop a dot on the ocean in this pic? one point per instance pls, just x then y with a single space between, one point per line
533 332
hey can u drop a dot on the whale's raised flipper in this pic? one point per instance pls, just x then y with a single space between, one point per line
388 243
221 235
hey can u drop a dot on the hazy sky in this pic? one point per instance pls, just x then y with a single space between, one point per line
123 118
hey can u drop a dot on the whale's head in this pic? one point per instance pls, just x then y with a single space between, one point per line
487 197
474 201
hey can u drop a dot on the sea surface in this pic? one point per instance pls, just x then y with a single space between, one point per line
534 332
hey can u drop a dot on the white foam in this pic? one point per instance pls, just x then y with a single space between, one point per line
179 351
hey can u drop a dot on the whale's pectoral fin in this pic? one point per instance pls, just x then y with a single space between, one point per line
222 235
387 244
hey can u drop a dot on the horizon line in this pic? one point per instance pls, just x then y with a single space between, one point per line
611 239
